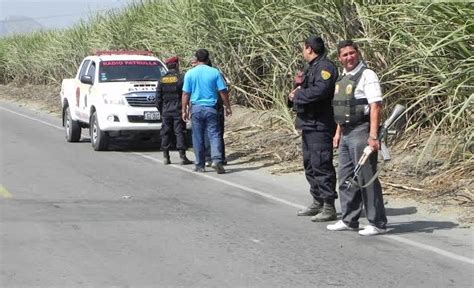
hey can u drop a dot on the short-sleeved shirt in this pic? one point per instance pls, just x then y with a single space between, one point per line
203 82
368 86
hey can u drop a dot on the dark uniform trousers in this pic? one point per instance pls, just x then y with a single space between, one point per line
352 144
173 125
318 166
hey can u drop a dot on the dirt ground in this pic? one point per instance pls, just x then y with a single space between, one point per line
258 138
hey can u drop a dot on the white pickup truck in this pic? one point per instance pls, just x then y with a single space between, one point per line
113 94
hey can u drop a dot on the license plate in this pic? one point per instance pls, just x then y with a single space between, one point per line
152 115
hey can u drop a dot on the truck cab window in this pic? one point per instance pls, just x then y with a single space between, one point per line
130 70
84 67
91 71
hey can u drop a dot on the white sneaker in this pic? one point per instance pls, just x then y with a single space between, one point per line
340 226
371 230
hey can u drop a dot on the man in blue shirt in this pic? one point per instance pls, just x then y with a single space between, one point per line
202 84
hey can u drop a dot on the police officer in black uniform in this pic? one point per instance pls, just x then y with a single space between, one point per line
168 101
312 101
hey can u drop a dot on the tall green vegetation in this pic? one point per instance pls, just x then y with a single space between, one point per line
421 51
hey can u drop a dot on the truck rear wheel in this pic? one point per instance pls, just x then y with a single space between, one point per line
71 127
99 138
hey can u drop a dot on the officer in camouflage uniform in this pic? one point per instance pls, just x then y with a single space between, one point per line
168 100
312 101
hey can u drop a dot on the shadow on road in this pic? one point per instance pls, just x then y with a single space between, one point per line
230 170
129 145
419 226
251 163
401 211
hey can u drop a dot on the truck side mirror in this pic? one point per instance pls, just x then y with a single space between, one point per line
87 79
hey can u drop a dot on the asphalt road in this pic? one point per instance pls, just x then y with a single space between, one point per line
72 217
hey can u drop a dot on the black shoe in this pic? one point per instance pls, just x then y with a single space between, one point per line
185 161
218 167
166 157
328 213
199 169
311 210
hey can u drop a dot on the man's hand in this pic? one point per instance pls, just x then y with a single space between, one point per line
337 137
228 111
185 115
298 78
185 106
375 144
291 96
335 140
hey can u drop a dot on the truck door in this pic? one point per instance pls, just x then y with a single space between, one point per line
84 91
81 87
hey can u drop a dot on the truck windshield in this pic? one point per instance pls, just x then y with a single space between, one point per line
130 70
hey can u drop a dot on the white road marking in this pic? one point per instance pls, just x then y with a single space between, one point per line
32 118
283 201
295 205
206 175
430 248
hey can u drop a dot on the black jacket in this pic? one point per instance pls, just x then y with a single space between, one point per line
168 94
313 102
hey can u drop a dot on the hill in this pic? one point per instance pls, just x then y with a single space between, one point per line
18 25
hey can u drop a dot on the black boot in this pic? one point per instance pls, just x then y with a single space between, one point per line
312 209
184 159
166 157
328 213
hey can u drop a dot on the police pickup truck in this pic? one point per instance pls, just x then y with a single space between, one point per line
113 94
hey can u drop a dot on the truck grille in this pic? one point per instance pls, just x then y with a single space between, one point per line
141 101
139 119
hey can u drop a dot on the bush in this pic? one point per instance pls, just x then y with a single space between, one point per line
421 51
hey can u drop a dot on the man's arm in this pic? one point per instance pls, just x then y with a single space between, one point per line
375 111
337 136
184 105
225 99
187 90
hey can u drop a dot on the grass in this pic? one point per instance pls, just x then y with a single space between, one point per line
422 51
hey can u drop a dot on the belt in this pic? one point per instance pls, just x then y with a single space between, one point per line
354 125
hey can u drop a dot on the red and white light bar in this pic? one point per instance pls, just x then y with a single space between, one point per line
124 52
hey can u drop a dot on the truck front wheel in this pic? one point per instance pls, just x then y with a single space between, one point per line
99 138
71 127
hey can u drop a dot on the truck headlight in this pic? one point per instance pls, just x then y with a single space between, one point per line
113 99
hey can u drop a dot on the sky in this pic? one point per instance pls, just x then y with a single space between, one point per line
54 14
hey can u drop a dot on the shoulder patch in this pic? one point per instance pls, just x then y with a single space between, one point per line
325 74
169 79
